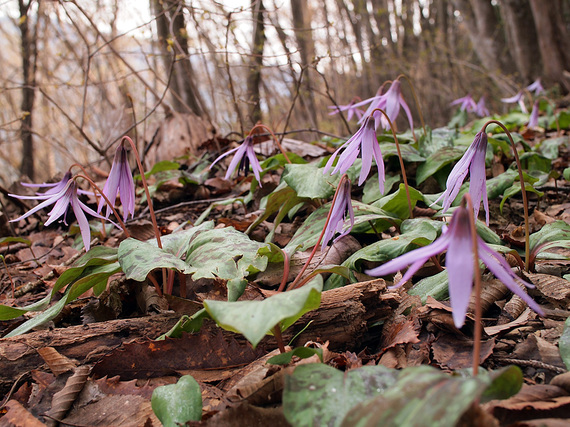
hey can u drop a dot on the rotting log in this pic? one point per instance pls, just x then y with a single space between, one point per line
342 319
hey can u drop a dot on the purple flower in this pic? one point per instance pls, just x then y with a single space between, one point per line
480 108
363 142
244 157
120 181
467 103
61 200
342 206
533 120
517 98
390 102
536 87
53 188
351 109
457 241
473 161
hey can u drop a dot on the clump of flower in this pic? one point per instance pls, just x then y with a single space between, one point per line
390 102
341 207
467 103
518 98
472 162
365 143
120 181
351 109
244 157
457 241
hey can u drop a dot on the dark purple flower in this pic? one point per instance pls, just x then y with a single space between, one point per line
341 207
365 143
61 200
472 162
120 181
244 157
457 241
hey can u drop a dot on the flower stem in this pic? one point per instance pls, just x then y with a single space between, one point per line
274 138
402 167
147 192
523 191
279 337
417 103
295 282
478 315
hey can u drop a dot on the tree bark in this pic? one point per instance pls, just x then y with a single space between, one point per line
521 38
173 42
256 63
553 41
29 61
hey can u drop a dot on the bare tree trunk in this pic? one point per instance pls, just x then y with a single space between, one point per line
171 28
521 37
302 27
485 31
256 63
553 41
29 61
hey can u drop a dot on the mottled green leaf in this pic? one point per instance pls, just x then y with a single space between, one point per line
435 286
309 181
176 404
436 161
255 319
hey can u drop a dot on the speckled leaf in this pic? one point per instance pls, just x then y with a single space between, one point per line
309 181
138 259
255 319
320 395
176 404
225 253
564 344
436 161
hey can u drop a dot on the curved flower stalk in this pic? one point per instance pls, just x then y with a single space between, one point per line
120 181
65 197
365 143
472 162
338 216
243 158
459 261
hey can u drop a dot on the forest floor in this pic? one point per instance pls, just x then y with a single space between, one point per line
104 347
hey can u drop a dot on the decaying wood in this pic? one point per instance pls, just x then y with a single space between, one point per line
342 319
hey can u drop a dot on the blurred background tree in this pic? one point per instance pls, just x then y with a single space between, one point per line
79 74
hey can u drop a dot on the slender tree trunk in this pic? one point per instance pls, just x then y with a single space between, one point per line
173 41
553 41
29 58
256 63
521 37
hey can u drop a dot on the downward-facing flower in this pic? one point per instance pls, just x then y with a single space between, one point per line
533 120
465 103
480 109
61 200
457 240
472 162
120 181
342 205
536 87
365 143
390 102
52 188
351 109
244 156
517 98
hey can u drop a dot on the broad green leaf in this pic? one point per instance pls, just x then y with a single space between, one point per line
189 324
436 161
176 404
497 186
549 148
301 352
435 286
320 395
225 253
440 138
277 161
164 165
441 399
566 174
10 240
93 276
177 243
557 231
535 161
409 153
274 203
255 319
515 189
309 181
396 203
371 191
138 259
564 344
563 120
415 233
